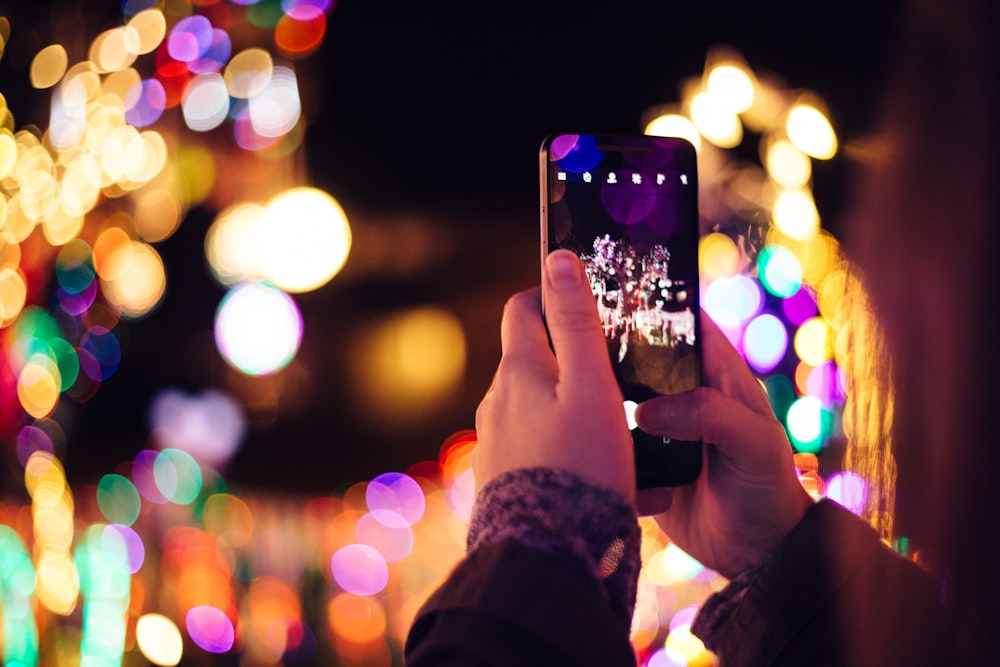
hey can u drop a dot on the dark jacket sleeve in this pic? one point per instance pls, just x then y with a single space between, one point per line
549 579
832 594
510 604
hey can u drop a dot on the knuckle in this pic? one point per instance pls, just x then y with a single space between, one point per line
571 319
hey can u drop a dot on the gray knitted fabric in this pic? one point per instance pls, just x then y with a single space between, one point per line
585 525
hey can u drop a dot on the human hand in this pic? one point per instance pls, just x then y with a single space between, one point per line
748 496
559 406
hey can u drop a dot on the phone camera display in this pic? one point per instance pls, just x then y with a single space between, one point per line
628 207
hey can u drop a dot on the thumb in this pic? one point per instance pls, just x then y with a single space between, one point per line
736 430
573 323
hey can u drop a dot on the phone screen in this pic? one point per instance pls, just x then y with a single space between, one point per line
628 207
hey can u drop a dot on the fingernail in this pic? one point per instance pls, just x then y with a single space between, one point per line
563 270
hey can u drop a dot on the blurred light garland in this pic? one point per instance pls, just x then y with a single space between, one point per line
168 564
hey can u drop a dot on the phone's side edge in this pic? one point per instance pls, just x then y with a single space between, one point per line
543 205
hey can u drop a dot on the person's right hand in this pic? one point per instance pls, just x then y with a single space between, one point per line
555 406
748 496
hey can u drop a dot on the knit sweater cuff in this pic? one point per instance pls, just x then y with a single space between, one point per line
587 526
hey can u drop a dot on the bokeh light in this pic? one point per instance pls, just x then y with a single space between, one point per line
159 639
848 489
808 423
359 569
118 499
674 125
303 239
765 342
811 132
258 328
716 120
210 628
410 362
177 476
209 426
398 493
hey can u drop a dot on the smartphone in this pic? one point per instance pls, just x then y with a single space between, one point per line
627 205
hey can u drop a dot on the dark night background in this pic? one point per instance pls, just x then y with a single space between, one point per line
433 112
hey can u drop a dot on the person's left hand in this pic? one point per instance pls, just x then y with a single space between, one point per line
559 406
748 496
